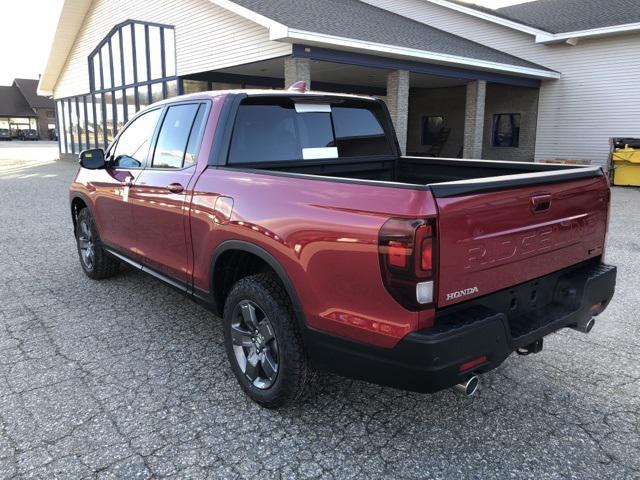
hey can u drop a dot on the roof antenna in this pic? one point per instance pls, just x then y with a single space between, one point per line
300 86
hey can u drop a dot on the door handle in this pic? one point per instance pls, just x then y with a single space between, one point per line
540 203
175 188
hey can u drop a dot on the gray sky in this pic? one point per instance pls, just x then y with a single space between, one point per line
27 27
26 30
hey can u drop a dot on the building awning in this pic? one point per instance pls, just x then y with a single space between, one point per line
356 26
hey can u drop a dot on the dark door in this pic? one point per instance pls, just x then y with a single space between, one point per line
126 160
159 195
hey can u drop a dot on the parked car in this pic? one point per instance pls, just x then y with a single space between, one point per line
28 135
294 216
5 134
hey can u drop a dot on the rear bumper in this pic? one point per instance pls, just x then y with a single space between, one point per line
492 326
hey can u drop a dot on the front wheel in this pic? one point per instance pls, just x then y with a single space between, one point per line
95 260
263 342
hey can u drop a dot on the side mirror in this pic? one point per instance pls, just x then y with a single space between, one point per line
92 159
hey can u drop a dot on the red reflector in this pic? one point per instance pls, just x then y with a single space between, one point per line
397 254
596 308
473 363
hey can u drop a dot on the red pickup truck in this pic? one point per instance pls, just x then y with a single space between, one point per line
294 216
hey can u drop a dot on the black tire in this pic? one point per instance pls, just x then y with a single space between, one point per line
99 264
294 373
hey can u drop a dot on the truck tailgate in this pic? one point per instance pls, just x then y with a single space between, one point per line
493 240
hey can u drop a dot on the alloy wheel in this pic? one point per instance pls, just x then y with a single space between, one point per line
86 245
254 344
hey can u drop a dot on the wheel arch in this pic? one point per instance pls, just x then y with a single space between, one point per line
78 202
268 259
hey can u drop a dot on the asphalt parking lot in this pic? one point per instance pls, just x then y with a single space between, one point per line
125 378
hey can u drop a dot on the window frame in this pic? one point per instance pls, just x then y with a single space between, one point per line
516 135
101 69
96 80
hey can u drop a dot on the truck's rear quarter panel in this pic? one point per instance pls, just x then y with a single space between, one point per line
492 241
325 235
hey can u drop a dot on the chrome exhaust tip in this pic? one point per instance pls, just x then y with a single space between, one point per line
469 386
585 327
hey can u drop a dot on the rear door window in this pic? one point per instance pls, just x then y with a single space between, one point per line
174 135
273 130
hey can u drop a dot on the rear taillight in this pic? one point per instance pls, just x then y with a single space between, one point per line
406 249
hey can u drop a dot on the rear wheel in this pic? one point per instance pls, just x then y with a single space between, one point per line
263 342
95 260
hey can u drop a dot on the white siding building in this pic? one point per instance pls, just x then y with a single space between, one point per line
550 79
596 97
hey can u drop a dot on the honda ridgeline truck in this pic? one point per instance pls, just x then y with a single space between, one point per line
294 216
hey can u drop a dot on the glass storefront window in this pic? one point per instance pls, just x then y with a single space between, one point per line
193 86
120 109
155 53
60 114
81 125
99 122
33 124
91 131
169 52
156 92
172 89
16 124
141 52
116 60
4 123
107 102
74 126
96 72
106 62
143 97
127 48
68 126
130 95
93 120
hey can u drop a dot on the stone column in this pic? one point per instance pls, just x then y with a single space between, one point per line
297 70
474 119
398 104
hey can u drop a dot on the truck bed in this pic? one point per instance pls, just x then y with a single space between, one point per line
445 176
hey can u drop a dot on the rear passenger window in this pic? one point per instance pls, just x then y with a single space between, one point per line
174 135
195 138
273 131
